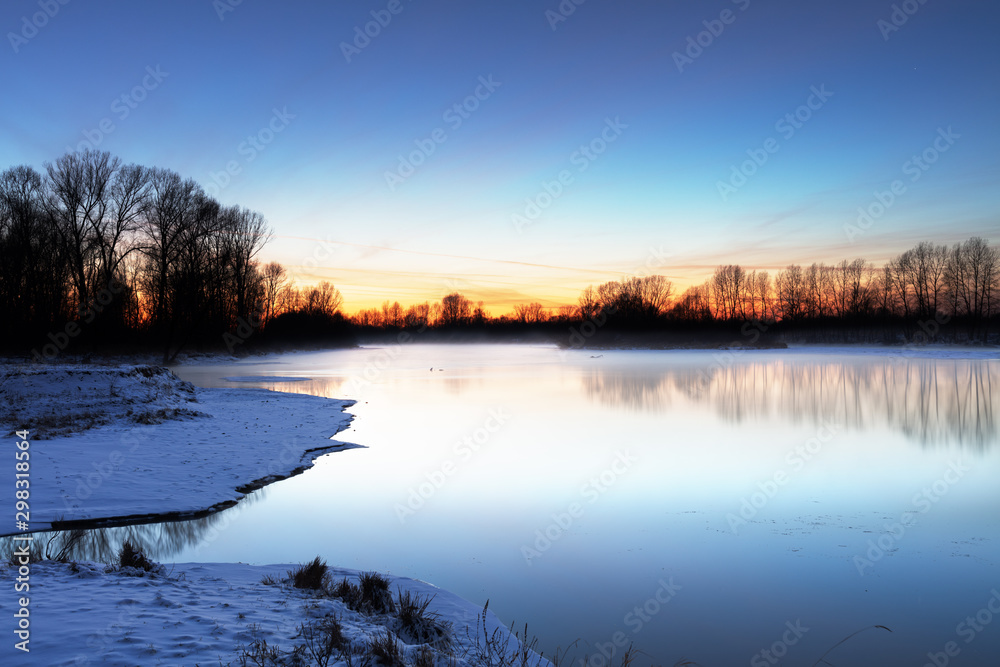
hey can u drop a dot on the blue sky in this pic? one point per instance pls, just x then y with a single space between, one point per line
327 128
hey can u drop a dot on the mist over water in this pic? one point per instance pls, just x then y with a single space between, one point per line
706 505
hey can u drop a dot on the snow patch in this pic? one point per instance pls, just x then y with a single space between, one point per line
202 613
108 443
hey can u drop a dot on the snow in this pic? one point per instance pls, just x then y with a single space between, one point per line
95 454
121 442
202 613
66 399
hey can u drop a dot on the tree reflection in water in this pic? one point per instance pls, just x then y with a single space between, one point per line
158 541
931 401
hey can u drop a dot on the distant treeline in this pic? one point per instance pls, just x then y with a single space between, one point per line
97 255
930 292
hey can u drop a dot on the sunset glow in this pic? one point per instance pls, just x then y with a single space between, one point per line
646 142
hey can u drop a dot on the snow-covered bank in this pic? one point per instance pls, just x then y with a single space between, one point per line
115 442
203 613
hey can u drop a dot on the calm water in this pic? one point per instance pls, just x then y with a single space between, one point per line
699 504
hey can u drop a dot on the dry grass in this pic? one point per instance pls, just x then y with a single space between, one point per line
369 596
130 556
386 650
323 640
418 625
311 576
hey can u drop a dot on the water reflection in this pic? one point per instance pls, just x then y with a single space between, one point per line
159 541
707 434
932 402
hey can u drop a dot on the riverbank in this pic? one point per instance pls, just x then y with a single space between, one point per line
231 614
117 444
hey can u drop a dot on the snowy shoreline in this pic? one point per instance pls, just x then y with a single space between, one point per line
112 445
212 613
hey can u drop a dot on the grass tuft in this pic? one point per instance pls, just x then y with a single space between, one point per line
369 596
420 625
322 639
386 650
310 576
375 595
131 556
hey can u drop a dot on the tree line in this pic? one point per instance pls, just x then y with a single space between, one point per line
918 290
96 251
925 282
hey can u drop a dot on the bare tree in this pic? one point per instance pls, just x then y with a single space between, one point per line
929 266
633 299
762 295
656 292
168 226
129 198
973 271
529 313
242 234
289 299
728 285
589 303
274 279
418 315
790 292
80 187
32 268
393 314
693 304
324 299
455 309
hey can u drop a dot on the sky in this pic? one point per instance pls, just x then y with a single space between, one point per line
517 150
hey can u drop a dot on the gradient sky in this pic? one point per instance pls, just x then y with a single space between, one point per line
650 202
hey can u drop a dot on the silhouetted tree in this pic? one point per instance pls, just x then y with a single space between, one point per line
455 310
529 313
274 278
